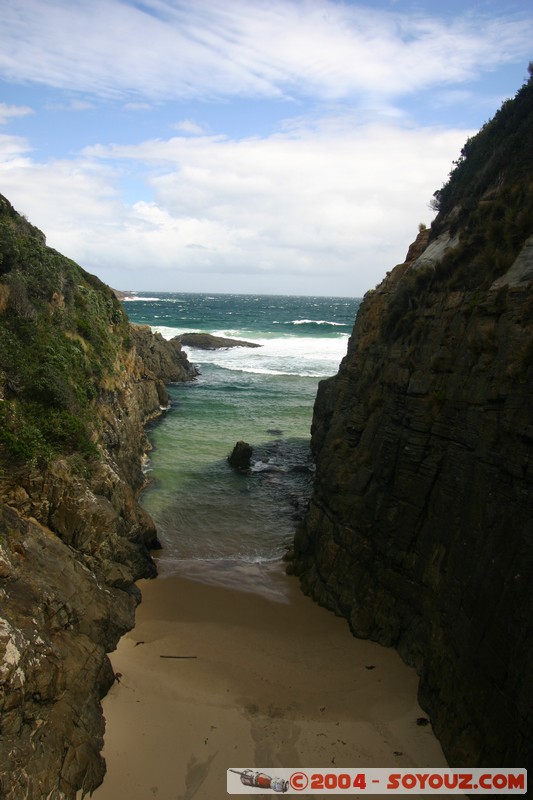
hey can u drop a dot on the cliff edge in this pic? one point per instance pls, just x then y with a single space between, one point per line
420 529
78 384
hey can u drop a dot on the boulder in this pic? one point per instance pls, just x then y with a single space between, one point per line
241 455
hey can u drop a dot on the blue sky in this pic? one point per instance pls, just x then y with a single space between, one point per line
271 146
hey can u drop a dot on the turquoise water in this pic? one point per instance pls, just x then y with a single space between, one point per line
211 519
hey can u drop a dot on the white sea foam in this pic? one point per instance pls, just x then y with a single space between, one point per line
135 299
267 466
315 322
305 356
298 355
169 333
253 576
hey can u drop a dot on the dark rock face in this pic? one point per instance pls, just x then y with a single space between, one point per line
206 341
57 624
73 537
420 528
241 455
162 357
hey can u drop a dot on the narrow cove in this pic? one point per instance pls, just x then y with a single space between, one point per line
264 677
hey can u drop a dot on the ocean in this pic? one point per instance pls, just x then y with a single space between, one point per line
216 524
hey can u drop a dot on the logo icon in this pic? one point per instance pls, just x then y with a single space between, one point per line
259 780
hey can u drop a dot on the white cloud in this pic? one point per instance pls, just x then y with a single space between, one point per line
265 48
332 210
71 105
329 201
67 199
137 107
8 112
189 126
80 105
13 151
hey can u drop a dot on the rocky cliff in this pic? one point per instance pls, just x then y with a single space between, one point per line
420 528
78 384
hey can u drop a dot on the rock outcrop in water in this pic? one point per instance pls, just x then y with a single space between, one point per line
420 528
241 456
207 341
77 386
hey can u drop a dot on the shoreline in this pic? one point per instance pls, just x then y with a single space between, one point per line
213 677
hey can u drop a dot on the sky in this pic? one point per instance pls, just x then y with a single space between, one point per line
245 146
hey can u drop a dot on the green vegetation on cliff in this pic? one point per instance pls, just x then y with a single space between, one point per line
61 333
486 212
501 152
488 199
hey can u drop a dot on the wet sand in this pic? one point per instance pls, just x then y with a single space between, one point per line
264 679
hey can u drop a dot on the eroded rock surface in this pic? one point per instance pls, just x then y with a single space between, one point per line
161 356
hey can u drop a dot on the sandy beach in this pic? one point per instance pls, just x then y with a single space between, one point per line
263 679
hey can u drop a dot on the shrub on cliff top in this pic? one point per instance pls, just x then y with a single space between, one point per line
499 154
490 192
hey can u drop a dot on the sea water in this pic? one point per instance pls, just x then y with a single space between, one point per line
215 522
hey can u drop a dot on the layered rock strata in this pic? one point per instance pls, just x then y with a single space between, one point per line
420 528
